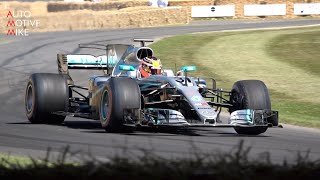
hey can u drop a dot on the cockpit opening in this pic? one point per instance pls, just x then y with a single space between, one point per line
144 52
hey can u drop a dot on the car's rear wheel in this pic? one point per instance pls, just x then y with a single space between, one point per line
250 94
45 94
118 95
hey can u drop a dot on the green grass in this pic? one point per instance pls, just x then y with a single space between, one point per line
287 60
13 160
298 49
20 162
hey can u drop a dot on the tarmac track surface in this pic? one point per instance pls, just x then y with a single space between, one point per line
37 53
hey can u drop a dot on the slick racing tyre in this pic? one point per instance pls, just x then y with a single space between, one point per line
118 95
45 94
250 94
251 130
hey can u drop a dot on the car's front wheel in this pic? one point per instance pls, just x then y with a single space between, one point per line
250 94
118 95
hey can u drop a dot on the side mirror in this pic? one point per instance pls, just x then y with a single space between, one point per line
126 68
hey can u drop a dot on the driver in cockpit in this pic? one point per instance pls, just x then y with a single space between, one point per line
150 66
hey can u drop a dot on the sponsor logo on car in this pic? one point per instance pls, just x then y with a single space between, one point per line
204 104
204 107
206 112
196 98
201 104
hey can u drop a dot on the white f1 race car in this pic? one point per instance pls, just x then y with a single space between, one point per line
122 99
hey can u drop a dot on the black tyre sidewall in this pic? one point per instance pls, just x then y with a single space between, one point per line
106 122
33 114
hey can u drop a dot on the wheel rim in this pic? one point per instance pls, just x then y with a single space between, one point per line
236 101
104 106
29 98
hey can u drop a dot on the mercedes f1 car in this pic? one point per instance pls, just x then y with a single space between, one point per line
122 99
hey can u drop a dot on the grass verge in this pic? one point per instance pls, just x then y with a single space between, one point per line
287 60
8 160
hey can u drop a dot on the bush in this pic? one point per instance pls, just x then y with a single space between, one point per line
231 165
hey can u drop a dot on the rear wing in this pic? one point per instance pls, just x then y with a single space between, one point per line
142 41
84 61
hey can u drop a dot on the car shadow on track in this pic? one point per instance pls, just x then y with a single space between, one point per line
95 127
69 124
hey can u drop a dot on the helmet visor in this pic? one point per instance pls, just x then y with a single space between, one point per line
155 71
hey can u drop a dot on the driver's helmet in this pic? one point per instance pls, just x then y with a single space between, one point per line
150 66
